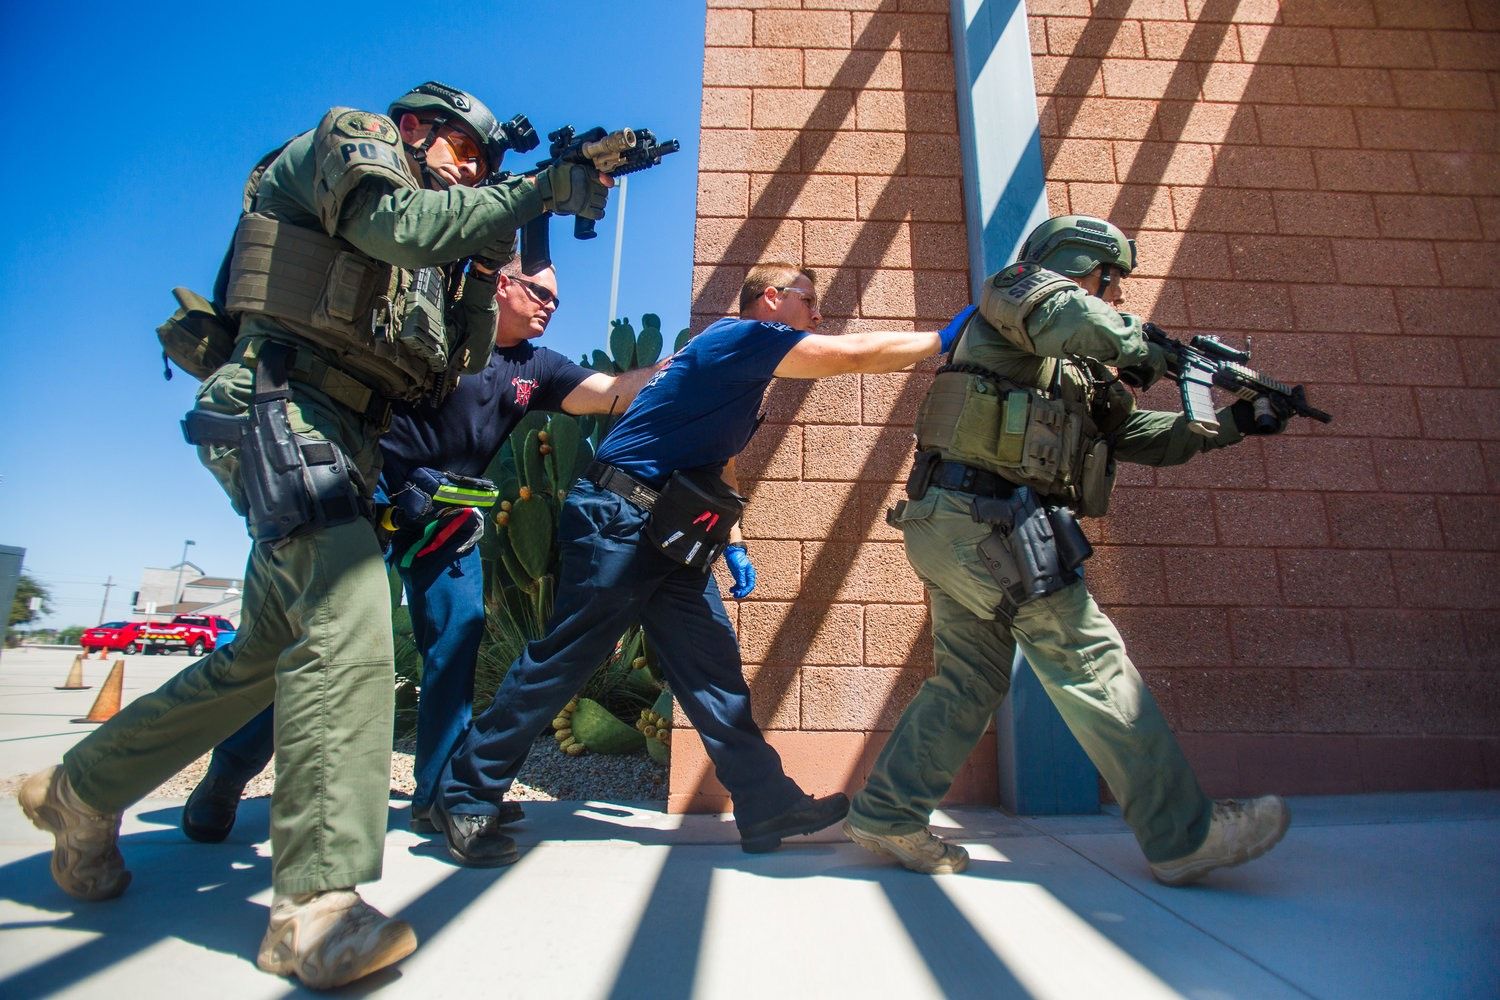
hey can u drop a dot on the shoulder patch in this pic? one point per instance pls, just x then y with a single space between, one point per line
1020 277
349 147
1008 297
366 125
777 326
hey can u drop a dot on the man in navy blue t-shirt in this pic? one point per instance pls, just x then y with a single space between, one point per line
434 543
696 413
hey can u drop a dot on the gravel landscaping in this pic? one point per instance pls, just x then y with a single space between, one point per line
548 775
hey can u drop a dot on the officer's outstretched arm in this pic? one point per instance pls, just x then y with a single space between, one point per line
820 355
601 393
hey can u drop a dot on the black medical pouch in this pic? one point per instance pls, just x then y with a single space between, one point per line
691 519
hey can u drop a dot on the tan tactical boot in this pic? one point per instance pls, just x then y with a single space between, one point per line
86 862
920 851
327 939
1240 830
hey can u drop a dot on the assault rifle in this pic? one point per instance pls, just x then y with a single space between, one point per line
614 153
1207 361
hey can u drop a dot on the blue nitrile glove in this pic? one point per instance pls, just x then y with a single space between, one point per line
948 334
740 568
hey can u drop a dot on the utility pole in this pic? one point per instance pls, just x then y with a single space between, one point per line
181 564
614 281
104 605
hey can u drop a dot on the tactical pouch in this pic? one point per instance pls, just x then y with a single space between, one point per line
922 468
1073 547
348 292
1010 442
1024 552
961 413
1097 480
691 519
197 338
421 329
1051 441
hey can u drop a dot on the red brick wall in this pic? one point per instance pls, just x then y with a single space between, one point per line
1317 612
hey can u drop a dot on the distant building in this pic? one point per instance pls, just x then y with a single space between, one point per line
184 589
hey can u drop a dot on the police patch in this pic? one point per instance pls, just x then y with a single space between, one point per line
363 124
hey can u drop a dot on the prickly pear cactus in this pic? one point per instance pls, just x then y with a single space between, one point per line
597 729
562 730
655 724
539 462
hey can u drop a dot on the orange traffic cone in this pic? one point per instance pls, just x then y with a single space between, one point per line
108 702
103 654
75 676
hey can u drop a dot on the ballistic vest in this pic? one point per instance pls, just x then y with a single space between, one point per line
1050 433
381 325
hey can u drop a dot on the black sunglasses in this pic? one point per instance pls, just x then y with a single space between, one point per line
541 293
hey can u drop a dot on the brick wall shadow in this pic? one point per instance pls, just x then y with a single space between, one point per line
1278 171
907 195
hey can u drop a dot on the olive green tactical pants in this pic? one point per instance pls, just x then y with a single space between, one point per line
315 634
1078 656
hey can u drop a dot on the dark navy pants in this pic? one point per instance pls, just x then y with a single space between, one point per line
447 618
610 579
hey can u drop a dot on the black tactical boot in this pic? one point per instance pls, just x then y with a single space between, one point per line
209 814
421 817
473 841
807 816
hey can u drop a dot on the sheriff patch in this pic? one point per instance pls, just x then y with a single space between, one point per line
363 124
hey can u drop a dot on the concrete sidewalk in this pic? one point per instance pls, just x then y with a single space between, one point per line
1368 896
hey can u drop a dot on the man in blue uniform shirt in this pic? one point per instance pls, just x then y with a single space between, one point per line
696 413
433 543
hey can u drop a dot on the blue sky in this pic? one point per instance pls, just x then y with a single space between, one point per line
132 129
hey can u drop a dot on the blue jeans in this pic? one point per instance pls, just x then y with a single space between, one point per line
609 579
447 618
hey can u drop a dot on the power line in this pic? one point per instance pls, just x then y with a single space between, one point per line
60 581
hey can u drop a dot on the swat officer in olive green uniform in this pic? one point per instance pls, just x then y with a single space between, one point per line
344 291
1020 430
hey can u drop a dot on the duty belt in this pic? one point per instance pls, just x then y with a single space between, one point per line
622 484
306 368
967 479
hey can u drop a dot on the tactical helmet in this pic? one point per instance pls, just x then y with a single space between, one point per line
1076 244
444 104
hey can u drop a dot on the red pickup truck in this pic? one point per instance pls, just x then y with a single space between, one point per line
194 633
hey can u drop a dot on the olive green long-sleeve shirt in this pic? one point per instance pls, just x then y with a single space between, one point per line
411 227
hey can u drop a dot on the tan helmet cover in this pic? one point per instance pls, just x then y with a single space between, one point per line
349 148
1010 294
